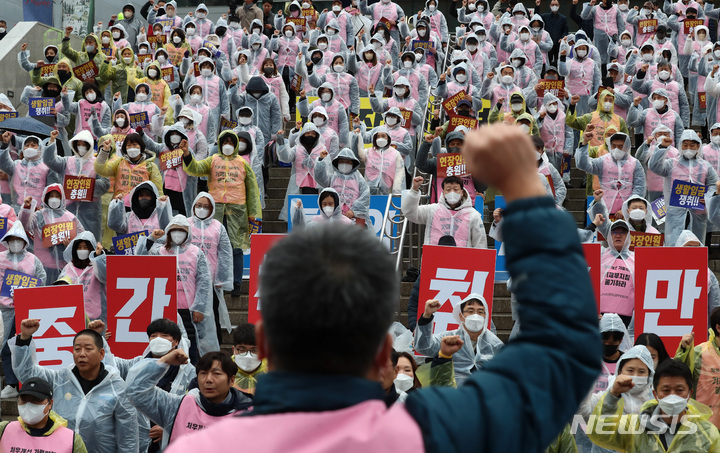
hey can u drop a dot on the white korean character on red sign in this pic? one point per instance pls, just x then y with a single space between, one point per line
48 350
452 285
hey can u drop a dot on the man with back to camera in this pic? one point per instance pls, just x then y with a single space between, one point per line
344 302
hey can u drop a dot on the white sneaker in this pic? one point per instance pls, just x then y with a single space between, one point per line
9 392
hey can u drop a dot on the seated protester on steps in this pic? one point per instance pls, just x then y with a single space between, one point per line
671 421
165 336
94 398
453 215
245 355
38 425
481 344
182 414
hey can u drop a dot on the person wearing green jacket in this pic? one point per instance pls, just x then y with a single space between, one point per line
232 183
91 51
124 70
603 117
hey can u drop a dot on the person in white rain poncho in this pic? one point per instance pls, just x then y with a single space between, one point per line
384 165
342 174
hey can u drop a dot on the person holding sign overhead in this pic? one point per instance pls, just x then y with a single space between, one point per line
96 72
15 260
82 186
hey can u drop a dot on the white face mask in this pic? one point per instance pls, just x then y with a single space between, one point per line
91 96
228 149
552 108
607 106
127 60
242 146
637 215
306 6
716 53
381 142
407 64
524 36
399 91
617 153
690 153
190 32
200 15
507 79
82 254
431 8
89 49
318 121
330 32
141 97
31 413
244 120
673 404
418 57
538 154
516 63
452 197
120 121
623 7
116 35
133 152
581 53
178 237
647 57
54 203
326 97
128 15
29 153
403 382
143 51
336 8
177 39
247 362
206 72
162 60
664 75
377 45
329 210
461 78
322 45
175 139
345 168
658 104
106 40
16 245
392 121
715 140
152 73
202 213
626 42
554 8
82 150
472 7
471 47
338 68
288 33
475 323
160 346
516 106
481 38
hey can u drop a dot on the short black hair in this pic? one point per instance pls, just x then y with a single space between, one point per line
462 305
162 325
715 320
97 338
339 282
226 363
452 180
538 142
653 341
244 334
673 368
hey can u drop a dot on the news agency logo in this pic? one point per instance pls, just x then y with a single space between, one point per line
606 425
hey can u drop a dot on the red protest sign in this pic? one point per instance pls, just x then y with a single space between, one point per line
455 121
140 289
86 71
56 233
551 86
671 288
453 164
702 98
47 70
144 58
297 83
299 22
449 274
170 159
406 121
196 68
61 311
647 26
640 239
78 188
168 74
690 24
450 103
259 246
593 254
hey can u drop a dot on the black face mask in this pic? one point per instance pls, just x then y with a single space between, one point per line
144 203
308 141
49 58
63 75
220 33
51 93
454 149
609 349
268 71
316 60
464 112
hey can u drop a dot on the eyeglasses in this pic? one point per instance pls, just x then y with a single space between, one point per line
473 312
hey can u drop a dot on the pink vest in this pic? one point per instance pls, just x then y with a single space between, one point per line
335 44
333 110
149 108
238 36
454 88
191 418
682 37
477 61
435 22
80 167
407 104
673 88
711 155
617 294
207 239
581 76
264 54
447 222
29 181
186 270
204 110
26 266
211 90
655 181
653 119
135 224
397 134
553 132
275 84
82 119
342 20
341 84
380 165
606 20
202 27
388 11
175 179
304 165
501 93
617 181
368 75
517 23
43 254
348 190
16 439
501 54
288 50
92 288
529 49
602 381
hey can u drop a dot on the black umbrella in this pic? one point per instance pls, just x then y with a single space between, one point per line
27 125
